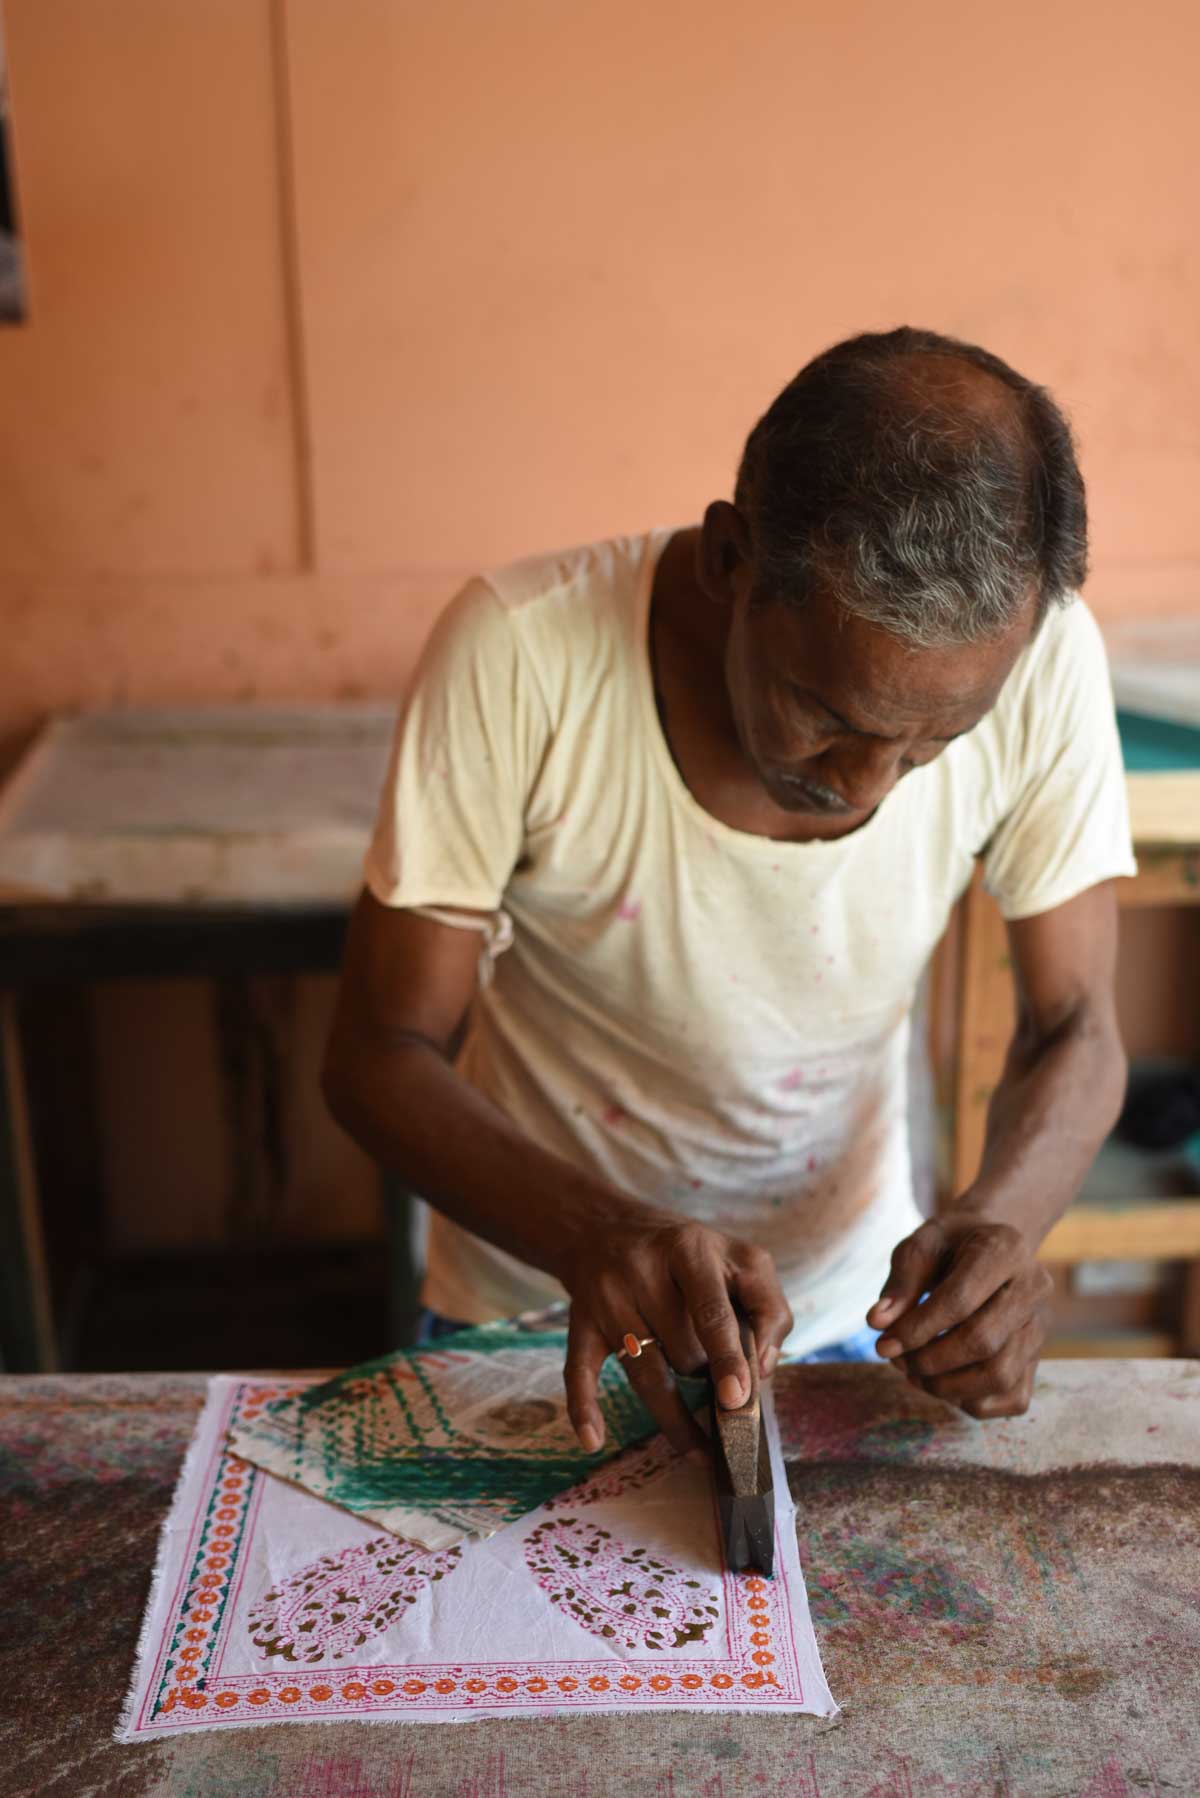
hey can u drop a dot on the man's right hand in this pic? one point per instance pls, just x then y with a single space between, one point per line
676 1280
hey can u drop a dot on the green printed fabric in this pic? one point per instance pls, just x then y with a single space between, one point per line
455 1438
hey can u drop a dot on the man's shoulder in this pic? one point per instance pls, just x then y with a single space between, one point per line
587 576
1063 669
1069 638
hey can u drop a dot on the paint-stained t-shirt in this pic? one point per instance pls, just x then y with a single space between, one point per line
713 1021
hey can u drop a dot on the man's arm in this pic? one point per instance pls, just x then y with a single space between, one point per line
407 982
977 1337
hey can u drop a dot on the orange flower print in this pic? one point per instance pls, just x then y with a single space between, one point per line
353 1689
289 1694
320 1693
659 1682
226 1699
721 1681
382 1687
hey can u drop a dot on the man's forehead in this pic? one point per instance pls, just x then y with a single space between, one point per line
884 682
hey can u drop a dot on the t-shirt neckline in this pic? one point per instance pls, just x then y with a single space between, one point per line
745 841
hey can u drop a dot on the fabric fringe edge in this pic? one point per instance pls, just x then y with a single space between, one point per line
820 1720
124 1730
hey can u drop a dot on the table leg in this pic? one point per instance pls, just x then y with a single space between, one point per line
1189 1323
255 1033
27 1343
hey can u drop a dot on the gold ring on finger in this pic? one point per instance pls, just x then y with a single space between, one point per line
632 1346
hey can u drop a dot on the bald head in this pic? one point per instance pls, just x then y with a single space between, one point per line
919 481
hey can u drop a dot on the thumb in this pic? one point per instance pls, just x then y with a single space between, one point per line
915 1263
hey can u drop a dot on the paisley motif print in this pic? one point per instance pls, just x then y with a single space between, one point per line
333 1606
625 1595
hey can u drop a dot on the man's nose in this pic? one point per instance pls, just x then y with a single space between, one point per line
863 771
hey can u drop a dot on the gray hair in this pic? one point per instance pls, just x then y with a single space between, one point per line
924 483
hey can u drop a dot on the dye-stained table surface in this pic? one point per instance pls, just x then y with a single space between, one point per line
1010 1608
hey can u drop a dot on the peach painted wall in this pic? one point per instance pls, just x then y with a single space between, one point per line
332 302
335 300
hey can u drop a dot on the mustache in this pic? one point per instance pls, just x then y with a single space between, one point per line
822 798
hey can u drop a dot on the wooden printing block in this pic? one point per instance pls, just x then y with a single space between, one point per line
742 1473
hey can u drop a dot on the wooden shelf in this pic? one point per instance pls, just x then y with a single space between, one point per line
1111 1345
1164 809
1135 1206
1136 1230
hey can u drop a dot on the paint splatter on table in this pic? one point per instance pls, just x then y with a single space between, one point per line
1007 1609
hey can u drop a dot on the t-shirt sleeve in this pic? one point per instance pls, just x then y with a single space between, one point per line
468 742
1068 826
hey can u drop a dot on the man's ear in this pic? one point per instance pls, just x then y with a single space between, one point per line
723 550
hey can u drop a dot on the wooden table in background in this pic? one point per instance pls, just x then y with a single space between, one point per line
222 842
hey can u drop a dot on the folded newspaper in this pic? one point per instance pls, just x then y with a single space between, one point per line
451 1440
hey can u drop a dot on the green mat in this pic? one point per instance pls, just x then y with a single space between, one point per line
1156 746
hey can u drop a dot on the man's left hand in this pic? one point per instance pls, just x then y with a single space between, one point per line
976 1339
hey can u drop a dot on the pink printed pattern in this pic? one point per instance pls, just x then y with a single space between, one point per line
333 1606
757 1668
636 1467
621 1594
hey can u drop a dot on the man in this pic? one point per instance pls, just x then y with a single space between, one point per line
722 787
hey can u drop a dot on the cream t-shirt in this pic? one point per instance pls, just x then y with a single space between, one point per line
713 1021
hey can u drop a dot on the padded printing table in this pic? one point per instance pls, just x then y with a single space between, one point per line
1007 1608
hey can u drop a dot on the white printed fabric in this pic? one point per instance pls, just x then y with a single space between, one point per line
270 1605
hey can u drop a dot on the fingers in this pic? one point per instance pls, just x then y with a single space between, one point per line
702 1280
651 1378
980 1263
986 1332
915 1263
1013 1403
999 1373
1000 1400
586 1353
679 1286
649 1374
757 1286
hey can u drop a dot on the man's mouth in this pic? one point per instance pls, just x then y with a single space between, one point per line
808 795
